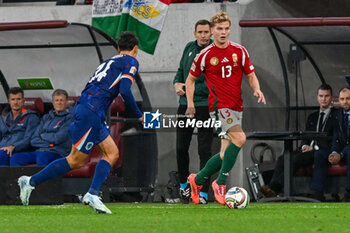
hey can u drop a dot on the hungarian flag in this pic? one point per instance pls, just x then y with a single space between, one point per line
143 17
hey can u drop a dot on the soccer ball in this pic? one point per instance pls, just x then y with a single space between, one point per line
237 198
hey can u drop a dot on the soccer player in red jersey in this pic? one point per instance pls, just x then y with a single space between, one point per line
223 64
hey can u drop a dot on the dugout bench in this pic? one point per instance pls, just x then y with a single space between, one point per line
297 187
133 177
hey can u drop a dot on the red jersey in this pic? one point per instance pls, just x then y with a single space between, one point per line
223 70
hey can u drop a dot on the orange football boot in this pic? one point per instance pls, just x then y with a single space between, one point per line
195 189
219 192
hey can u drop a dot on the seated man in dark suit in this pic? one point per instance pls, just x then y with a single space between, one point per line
319 121
339 151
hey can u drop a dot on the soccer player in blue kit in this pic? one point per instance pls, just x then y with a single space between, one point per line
112 77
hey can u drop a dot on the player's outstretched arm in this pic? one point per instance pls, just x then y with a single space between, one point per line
124 90
254 84
190 86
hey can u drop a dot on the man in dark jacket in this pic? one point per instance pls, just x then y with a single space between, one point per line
17 125
183 134
319 121
51 138
339 151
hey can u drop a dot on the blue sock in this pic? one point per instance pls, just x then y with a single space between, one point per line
203 194
54 169
183 185
101 172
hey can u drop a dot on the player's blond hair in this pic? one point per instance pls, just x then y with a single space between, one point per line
220 17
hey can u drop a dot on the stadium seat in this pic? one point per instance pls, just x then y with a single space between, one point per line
73 100
117 107
333 170
89 168
337 170
35 104
334 184
95 155
305 171
116 130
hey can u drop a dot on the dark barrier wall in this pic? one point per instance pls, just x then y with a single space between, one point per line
47 193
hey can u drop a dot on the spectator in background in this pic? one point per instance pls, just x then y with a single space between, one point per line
339 151
319 121
51 138
184 135
17 125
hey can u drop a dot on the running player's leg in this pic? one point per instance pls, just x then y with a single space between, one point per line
238 139
110 157
90 129
225 142
229 159
219 190
234 140
212 166
231 124
56 168
214 163
82 133
74 160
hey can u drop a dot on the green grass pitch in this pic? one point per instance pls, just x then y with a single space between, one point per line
165 218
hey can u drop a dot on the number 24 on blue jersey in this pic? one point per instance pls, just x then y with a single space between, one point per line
101 71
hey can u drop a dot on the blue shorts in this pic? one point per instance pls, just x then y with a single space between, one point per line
87 129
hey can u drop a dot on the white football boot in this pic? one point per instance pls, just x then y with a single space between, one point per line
25 189
94 202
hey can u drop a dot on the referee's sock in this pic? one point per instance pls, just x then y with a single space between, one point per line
183 185
203 194
101 172
211 167
230 157
54 169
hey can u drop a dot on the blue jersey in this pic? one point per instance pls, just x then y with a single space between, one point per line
112 77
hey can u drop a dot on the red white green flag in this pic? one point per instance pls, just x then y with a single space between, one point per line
143 17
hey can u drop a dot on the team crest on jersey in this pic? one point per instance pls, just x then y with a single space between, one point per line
229 121
132 70
235 59
214 61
